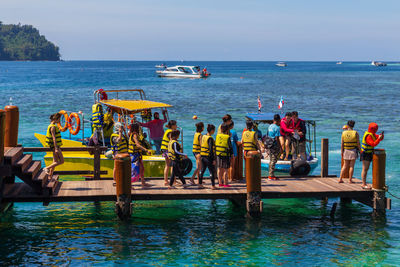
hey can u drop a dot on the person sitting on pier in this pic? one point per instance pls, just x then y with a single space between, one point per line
273 146
300 131
250 139
196 150
53 140
164 148
156 129
135 150
175 157
207 152
118 141
223 148
286 135
369 141
350 145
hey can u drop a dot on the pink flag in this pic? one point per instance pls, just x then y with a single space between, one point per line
259 104
281 102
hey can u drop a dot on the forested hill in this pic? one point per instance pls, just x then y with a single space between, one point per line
24 42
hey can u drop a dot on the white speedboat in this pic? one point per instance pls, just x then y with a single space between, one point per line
162 66
183 72
339 63
378 64
281 64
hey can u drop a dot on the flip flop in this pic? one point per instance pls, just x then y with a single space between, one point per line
340 181
365 187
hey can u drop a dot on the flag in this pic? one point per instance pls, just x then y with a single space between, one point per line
281 102
259 104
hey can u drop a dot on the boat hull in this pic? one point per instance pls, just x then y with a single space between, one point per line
175 75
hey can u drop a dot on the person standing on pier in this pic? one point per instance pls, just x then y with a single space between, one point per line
207 152
175 156
196 150
300 131
350 145
286 135
164 148
235 147
369 141
250 139
119 142
223 148
156 129
225 119
135 150
273 146
53 140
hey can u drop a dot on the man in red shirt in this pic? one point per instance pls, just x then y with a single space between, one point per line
369 141
286 135
299 138
156 128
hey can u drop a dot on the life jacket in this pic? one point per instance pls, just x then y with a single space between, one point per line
349 139
97 116
222 144
196 142
364 146
205 150
49 137
171 152
165 140
108 125
249 141
132 146
121 146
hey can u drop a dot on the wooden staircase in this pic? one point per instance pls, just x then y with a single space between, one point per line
30 171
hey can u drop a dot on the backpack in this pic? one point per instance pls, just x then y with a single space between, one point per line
270 143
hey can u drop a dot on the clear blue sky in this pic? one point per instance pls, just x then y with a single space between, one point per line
214 30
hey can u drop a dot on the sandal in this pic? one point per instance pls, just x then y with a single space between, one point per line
365 187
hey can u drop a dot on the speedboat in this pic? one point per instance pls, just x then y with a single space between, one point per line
281 64
339 63
378 64
162 66
124 111
180 71
284 167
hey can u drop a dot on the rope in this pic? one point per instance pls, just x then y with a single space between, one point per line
393 195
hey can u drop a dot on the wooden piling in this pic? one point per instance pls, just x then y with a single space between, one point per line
2 133
324 157
12 121
253 183
96 163
378 180
122 165
239 163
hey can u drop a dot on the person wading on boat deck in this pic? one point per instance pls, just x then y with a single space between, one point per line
250 139
272 145
223 148
300 130
175 156
369 141
53 140
119 142
350 145
164 148
156 128
196 150
135 150
207 152
286 135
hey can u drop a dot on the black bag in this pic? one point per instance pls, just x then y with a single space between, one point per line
270 143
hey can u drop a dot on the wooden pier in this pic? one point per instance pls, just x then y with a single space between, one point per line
37 187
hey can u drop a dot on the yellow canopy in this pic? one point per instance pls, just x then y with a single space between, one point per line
132 105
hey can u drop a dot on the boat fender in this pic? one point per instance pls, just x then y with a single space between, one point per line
299 168
185 166
66 119
74 127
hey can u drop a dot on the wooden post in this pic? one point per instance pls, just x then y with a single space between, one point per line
253 183
324 157
12 120
96 163
122 165
378 180
2 133
239 162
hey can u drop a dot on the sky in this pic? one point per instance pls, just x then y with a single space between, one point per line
253 30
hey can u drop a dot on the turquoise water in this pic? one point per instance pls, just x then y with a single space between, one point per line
291 232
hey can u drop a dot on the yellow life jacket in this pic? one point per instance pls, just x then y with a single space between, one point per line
222 144
364 146
349 139
108 125
249 141
171 152
205 150
196 143
49 136
165 140
133 148
97 115
121 146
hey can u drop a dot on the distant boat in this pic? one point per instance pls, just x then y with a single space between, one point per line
378 64
161 66
339 63
281 64
183 72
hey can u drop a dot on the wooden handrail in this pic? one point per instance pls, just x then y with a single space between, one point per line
66 149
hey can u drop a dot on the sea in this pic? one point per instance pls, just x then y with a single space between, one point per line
291 232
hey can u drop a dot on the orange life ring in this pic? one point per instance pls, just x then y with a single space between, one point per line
74 126
66 118
103 95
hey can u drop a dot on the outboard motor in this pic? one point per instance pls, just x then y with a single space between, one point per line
299 168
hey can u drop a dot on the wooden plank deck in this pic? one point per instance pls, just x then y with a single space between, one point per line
103 190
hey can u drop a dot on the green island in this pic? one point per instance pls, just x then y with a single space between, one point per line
24 42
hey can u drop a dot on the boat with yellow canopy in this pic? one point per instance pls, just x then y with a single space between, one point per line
124 111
